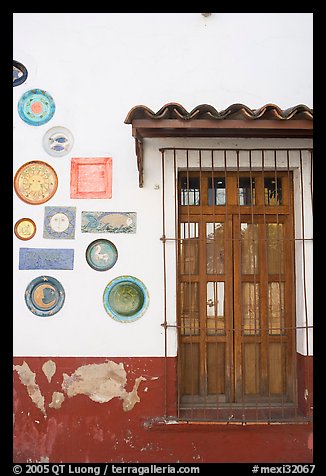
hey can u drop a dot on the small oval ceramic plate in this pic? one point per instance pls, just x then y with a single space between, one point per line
58 141
101 255
125 298
19 73
25 229
44 296
36 107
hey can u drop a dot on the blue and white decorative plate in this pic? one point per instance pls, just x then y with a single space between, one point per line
59 223
58 141
101 254
125 298
44 296
36 107
19 73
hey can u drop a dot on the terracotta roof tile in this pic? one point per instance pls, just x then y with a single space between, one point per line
206 111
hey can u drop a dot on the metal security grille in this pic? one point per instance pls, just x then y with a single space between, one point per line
239 220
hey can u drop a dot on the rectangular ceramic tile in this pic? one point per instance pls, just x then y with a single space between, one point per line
108 222
59 223
91 177
46 258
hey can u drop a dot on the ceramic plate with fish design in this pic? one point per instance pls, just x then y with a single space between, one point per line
101 255
36 107
58 141
44 296
125 298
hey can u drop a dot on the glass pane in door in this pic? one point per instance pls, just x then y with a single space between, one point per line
215 248
249 248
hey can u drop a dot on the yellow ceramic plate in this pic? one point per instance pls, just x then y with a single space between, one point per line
25 229
35 182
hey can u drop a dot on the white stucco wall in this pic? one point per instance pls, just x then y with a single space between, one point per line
97 66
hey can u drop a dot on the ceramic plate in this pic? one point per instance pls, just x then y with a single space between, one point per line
125 299
36 107
44 296
58 141
25 229
35 182
19 73
101 255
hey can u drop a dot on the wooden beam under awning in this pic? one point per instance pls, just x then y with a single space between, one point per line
278 128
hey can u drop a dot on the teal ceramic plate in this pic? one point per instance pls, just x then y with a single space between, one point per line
101 255
36 107
125 298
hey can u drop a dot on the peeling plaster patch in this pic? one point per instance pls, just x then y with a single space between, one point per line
49 368
131 398
101 383
57 400
27 378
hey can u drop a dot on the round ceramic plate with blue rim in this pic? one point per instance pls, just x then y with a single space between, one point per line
125 298
58 141
101 255
44 296
19 72
36 107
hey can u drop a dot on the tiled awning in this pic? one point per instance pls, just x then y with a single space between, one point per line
238 120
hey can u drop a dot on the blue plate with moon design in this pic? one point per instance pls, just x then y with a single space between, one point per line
44 296
125 298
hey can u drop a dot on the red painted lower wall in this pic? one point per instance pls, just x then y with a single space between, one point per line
58 428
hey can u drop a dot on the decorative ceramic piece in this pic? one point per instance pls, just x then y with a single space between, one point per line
101 255
58 141
91 177
46 258
44 296
19 73
35 182
108 222
59 223
25 229
125 299
36 107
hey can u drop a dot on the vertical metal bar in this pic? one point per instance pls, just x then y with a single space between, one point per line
304 255
311 179
192 320
304 274
241 329
177 286
280 246
214 260
164 284
255 280
292 328
202 292
264 295
228 315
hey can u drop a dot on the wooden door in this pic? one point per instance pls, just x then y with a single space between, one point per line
235 291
